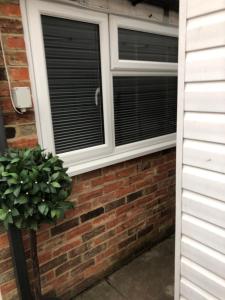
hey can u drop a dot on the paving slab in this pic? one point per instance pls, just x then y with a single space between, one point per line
102 291
148 277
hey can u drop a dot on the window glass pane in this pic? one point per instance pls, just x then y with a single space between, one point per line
144 107
74 76
137 45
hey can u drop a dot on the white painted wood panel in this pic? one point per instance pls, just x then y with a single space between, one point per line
193 292
204 182
205 155
204 256
201 7
204 232
200 242
206 65
207 209
211 30
205 97
203 278
205 127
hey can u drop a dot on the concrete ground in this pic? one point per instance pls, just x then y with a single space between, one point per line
148 277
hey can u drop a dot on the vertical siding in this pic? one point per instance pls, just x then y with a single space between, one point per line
201 145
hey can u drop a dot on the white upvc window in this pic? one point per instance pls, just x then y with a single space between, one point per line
99 101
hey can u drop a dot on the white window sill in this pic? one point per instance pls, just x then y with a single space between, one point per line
117 158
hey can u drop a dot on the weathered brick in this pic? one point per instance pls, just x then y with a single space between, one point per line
74 233
53 263
15 42
89 235
114 204
65 226
20 73
145 231
82 267
127 242
79 250
70 264
94 251
134 196
92 214
9 10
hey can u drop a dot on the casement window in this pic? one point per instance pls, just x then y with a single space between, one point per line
100 100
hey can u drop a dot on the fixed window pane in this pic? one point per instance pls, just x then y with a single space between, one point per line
145 46
72 51
144 107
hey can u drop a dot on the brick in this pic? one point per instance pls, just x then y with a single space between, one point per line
66 247
4 253
70 264
9 10
89 175
89 196
114 204
64 226
95 251
79 250
15 42
7 276
6 265
145 231
53 263
8 287
11 26
4 242
127 242
82 267
75 233
17 74
134 196
44 257
127 172
92 214
89 235
105 236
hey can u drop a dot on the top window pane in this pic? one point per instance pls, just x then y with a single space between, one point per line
145 46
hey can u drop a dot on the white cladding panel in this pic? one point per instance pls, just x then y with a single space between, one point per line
200 230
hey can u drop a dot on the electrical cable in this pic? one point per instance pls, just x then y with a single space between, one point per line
7 75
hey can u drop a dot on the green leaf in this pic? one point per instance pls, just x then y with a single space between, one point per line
5 174
9 218
3 214
19 222
27 153
2 158
15 160
17 191
55 176
21 199
43 208
15 212
12 181
55 184
8 191
47 169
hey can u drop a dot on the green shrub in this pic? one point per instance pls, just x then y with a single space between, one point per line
33 188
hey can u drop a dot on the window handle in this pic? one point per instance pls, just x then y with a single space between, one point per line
97 92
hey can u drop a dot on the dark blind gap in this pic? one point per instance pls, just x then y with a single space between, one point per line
144 107
137 45
73 65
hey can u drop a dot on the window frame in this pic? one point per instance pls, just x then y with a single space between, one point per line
116 22
41 98
84 160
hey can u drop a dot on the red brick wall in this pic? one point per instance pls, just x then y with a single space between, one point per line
119 209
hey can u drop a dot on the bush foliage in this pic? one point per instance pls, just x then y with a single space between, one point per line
33 188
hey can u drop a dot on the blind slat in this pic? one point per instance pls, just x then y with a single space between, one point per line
149 108
73 66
